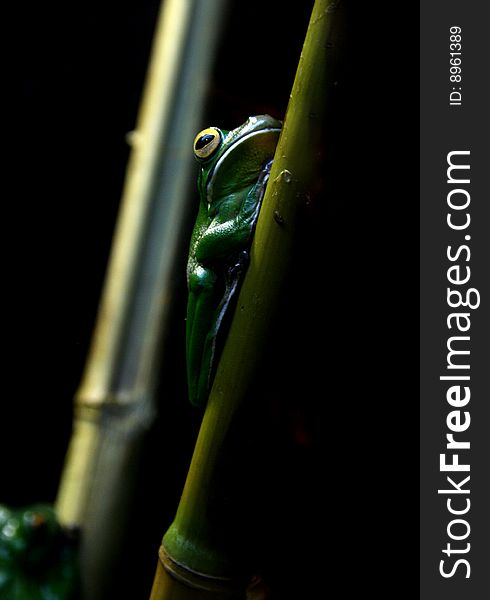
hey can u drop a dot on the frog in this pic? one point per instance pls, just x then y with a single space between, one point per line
234 167
38 558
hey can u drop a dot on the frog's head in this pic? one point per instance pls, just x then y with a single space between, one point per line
231 160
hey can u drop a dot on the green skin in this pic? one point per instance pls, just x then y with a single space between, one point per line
231 185
37 561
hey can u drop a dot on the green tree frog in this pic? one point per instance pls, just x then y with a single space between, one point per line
234 168
37 560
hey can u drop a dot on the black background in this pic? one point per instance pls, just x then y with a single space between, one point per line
343 452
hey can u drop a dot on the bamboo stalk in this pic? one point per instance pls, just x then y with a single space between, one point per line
192 551
114 405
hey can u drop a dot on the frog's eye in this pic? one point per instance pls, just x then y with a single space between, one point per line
206 142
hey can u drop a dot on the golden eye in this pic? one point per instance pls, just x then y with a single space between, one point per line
206 142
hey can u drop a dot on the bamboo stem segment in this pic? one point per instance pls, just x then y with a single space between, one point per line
77 475
97 386
194 540
115 404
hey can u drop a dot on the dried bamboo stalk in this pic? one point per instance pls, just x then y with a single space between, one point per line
114 405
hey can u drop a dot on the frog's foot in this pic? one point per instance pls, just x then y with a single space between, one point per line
215 339
257 194
235 271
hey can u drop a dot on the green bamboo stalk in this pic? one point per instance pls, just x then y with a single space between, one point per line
192 554
115 404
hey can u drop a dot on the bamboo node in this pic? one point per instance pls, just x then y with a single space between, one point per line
224 587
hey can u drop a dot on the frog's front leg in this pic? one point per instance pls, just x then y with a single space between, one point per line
201 307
